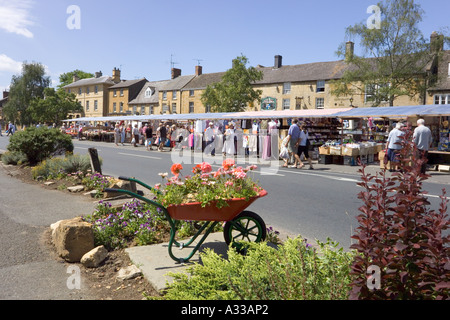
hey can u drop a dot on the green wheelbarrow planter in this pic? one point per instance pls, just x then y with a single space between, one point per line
240 225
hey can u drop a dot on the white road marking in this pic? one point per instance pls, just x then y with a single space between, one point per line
139 156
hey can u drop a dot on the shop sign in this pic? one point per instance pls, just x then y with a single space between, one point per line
268 104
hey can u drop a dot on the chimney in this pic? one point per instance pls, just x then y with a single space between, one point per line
278 62
436 42
198 70
75 77
5 94
349 50
176 73
98 74
116 75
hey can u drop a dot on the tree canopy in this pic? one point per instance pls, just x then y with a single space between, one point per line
394 56
24 88
67 78
235 91
54 107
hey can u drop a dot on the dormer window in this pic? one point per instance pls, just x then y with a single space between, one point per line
148 93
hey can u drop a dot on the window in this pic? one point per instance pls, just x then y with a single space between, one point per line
165 108
87 105
96 89
320 103
165 95
151 110
287 88
115 93
114 107
134 109
286 104
80 91
148 93
174 108
95 105
321 86
68 90
88 90
174 95
374 92
208 108
191 93
191 107
121 107
121 92
442 99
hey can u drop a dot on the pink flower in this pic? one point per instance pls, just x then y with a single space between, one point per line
227 164
229 183
206 167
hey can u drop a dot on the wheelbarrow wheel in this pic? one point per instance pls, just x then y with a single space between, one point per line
247 226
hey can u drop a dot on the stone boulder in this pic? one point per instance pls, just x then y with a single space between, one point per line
120 184
128 273
93 258
73 239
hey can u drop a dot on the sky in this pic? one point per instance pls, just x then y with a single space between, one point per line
143 37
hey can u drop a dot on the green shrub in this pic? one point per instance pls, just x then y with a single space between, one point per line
56 168
14 158
40 143
295 270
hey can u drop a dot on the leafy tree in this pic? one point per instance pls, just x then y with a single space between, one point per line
394 59
235 91
24 88
67 78
54 107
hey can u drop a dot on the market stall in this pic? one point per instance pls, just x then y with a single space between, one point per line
369 127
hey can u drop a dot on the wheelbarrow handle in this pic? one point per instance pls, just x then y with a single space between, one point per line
139 182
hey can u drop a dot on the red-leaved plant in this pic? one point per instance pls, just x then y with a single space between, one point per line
398 234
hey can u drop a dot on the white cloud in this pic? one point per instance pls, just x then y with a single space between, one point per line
15 17
9 65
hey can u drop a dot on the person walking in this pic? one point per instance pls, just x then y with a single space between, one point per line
209 138
423 138
122 134
148 137
393 146
161 133
116 135
303 146
135 136
292 142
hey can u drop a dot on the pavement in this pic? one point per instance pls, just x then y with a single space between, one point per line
154 260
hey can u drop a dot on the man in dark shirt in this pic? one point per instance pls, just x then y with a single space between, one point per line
149 137
162 135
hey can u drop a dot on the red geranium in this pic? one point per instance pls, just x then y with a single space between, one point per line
176 168
227 164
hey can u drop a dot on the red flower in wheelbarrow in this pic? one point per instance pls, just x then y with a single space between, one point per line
176 168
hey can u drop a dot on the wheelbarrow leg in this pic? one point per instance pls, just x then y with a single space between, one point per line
182 246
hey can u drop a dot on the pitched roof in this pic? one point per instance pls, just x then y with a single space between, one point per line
154 98
177 84
203 80
127 83
303 72
90 81
443 81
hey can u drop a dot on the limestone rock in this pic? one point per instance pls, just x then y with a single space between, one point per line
128 273
93 258
75 189
123 185
73 239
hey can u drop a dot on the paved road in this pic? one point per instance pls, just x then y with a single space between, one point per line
28 269
315 204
